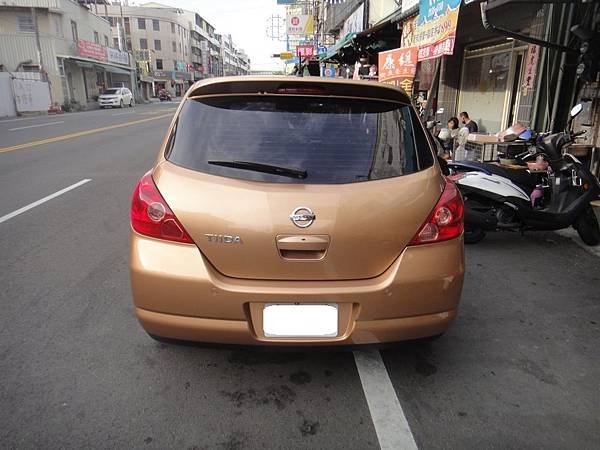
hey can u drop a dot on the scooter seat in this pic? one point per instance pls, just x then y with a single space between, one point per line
520 177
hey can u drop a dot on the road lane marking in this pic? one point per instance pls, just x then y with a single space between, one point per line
79 134
43 200
38 125
123 113
391 426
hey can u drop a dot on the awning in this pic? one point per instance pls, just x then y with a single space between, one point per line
113 69
83 64
89 63
333 50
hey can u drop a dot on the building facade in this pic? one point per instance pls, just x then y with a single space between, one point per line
513 64
67 44
172 47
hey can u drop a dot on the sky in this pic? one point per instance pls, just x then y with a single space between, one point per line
245 20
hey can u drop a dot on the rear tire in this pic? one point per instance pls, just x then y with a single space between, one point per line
587 227
131 103
473 235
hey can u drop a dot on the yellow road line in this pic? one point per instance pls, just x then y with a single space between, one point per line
64 137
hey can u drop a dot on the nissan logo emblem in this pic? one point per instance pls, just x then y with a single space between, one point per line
302 217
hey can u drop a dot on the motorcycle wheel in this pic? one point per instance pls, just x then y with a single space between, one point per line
587 227
473 235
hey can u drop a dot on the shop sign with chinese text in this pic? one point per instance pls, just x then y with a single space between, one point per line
91 50
436 28
533 55
305 51
300 24
116 56
398 67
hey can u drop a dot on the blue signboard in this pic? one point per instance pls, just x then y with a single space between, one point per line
286 2
430 9
321 50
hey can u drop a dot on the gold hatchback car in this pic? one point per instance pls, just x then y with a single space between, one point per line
296 211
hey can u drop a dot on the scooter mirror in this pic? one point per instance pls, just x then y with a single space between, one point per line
576 110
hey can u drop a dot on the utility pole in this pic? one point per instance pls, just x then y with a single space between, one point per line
122 39
37 40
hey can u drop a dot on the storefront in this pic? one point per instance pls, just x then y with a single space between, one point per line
494 78
176 82
95 69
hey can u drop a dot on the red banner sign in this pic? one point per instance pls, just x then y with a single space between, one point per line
398 67
443 47
305 51
91 50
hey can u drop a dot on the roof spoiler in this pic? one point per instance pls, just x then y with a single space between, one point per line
298 86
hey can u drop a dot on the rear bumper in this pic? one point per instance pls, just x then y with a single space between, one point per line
179 295
240 332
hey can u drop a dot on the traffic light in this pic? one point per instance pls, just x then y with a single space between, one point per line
589 53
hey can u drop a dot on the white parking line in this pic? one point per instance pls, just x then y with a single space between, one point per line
391 426
37 125
43 200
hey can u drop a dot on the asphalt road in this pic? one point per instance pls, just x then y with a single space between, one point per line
519 369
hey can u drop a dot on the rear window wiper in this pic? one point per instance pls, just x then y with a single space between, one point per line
264 168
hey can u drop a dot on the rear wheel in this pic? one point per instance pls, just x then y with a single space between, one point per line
587 227
131 103
473 235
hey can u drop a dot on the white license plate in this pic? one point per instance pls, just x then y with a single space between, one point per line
304 320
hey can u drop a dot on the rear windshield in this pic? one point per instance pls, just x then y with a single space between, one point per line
328 140
111 91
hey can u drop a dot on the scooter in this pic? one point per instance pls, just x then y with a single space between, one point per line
554 193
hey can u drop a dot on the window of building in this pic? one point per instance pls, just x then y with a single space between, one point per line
96 37
105 40
141 23
129 46
112 21
157 44
116 42
159 64
180 47
58 25
174 46
126 25
30 68
174 64
25 24
155 24
172 28
143 43
74 31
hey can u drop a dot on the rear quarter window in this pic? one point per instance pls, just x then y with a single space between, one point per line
331 140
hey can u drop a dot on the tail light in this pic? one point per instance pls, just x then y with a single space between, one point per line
445 221
151 216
